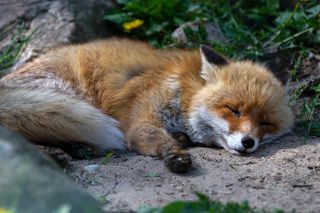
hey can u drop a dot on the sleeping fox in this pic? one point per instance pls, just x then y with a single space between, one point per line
118 93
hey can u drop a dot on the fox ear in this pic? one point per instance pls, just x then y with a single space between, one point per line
210 60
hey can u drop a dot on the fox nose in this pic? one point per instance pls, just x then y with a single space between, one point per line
247 142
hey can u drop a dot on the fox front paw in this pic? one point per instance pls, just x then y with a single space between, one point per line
178 162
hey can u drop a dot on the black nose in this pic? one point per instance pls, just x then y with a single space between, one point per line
247 142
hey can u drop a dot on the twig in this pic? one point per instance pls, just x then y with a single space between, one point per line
302 185
293 36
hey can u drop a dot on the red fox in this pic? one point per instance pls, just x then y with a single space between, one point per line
114 93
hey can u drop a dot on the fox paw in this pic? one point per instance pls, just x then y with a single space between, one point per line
178 162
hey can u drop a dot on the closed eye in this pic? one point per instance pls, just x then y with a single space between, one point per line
236 112
266 123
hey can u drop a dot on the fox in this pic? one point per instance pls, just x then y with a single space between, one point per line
119 93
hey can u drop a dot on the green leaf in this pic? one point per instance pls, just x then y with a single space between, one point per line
118 18
123 1
283 17
202 197
313 11
106 158
316 88
173 207
148 209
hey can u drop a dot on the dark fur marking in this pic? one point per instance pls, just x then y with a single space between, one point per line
134 72
212 56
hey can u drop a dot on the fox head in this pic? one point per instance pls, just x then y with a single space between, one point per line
240 104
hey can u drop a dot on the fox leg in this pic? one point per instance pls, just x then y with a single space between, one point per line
183 139
151 140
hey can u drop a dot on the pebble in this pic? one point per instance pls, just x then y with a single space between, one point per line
92 168
179 188
183 194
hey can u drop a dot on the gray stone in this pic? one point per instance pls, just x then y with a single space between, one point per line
31 182
51 23
213 31
179 35
92 168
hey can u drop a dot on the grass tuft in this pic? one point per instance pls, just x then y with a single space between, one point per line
10 53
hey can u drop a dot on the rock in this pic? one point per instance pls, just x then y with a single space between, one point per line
213 31
179 35
93 168
51 23
32 182
49 27
89 23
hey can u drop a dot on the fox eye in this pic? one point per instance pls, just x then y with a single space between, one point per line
266 123
236 112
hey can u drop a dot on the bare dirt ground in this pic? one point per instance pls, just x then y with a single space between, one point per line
282 174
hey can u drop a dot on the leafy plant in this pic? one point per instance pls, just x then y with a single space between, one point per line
155 19
202 205
252 28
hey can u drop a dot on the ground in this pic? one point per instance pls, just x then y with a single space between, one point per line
282 174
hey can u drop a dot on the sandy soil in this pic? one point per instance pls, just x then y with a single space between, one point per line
283 174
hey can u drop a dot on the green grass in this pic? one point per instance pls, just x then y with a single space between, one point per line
106 158
202 205
10 53
308 113
252 28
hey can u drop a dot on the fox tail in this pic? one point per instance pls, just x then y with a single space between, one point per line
50 117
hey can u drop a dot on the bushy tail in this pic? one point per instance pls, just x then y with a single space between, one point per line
49 117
